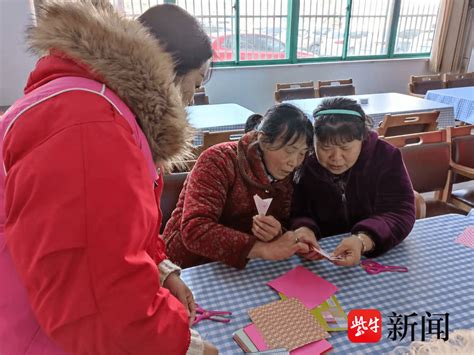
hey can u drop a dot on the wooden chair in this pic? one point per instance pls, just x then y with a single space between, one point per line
406 123
184 166
462 155
200 97
458 80
428 162
211 138
339 87
173 184
293 91
420 84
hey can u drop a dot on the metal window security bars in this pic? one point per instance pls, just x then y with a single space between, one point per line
261 32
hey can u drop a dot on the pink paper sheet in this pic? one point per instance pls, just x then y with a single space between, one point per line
467 237
254 335
304 285
316 348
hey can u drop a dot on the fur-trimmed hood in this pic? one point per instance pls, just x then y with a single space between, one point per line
128 59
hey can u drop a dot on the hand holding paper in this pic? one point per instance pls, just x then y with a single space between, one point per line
266 228
262 204
349 250
325 254
306 235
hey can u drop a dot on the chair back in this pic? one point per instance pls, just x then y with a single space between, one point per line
459 80
462 148
427 159
200 97
294 91
173 184
338 87
407 123
211 138
420 84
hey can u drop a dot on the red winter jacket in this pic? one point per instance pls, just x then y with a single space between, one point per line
213 218
82 214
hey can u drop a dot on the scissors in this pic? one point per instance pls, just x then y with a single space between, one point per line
216 316
373 267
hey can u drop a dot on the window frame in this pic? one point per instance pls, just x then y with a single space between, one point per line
292 40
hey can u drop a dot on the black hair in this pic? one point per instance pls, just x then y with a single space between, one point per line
180 34
338 128
287 122
252 122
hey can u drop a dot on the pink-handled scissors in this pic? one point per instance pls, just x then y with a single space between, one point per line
216 316
373 267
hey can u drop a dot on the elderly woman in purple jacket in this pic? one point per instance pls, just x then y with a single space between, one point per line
354 183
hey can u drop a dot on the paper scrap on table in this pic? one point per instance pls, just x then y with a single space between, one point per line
287 324
262 204
466 237
304 285
314 348
326 254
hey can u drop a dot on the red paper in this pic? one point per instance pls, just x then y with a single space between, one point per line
304 285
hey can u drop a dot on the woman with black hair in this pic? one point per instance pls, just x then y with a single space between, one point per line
216 218
354 183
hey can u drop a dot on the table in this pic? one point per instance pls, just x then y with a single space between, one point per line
462 99
380 104
215 118
440 280
220 117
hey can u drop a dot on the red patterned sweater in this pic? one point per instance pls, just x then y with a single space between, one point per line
213 218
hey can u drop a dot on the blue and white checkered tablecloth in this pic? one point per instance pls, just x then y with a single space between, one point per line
440 280
462 99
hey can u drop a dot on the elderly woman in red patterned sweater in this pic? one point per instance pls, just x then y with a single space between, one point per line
216 218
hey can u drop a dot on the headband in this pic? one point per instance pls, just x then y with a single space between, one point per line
338 112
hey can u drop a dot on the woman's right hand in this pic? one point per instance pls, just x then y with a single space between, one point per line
210 349
306 235
279 249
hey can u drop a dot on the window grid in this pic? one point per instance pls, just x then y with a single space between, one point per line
260 32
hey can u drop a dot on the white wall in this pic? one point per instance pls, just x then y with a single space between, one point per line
251 87
15 62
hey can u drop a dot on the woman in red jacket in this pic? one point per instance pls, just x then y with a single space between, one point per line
82 267
216 218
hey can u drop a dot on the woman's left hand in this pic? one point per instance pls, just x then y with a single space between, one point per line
349 250
178 289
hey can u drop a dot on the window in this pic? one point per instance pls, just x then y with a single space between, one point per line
245 32
416 26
